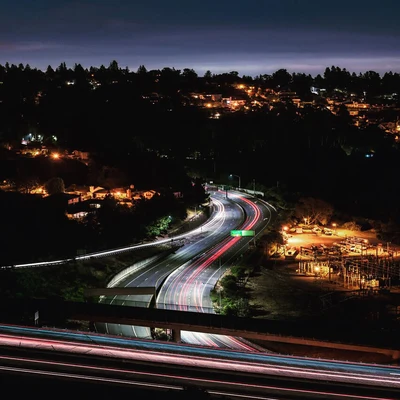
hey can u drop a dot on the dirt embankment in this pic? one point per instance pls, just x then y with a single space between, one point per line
277 292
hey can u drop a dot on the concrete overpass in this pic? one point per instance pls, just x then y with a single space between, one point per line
306 334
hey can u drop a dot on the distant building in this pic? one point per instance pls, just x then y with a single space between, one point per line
99 192
81 155
124 195
62 200
82 191
355 108
234 102
390 127
83 209
207 96
149 194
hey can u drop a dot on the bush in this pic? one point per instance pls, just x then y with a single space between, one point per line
239 271
229 284
351 226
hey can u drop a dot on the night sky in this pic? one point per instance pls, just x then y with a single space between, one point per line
252 37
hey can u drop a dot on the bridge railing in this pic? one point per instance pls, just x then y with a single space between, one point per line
163 306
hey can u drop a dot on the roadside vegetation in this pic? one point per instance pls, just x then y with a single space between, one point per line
67 281
38 229
230 296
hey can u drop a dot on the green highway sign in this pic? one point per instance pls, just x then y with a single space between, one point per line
242 233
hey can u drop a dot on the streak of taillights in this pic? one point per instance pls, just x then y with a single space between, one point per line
203 263
182 379
184 361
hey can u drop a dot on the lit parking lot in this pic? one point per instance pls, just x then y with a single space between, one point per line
343 242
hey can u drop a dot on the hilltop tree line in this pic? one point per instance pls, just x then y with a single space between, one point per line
108 109
169 79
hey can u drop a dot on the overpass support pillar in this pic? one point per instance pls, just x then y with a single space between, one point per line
176 335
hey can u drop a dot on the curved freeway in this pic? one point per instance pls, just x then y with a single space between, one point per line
226 216
188 288
187 277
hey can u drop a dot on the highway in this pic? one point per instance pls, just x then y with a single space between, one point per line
227 215
186 285
135 364
189 287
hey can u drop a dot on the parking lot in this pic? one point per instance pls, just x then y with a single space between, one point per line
341 243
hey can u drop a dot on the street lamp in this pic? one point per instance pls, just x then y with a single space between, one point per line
237 176
334 225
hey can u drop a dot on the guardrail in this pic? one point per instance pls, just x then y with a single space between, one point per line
98 254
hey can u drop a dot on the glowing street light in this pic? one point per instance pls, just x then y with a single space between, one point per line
55 156
237 176
334 225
